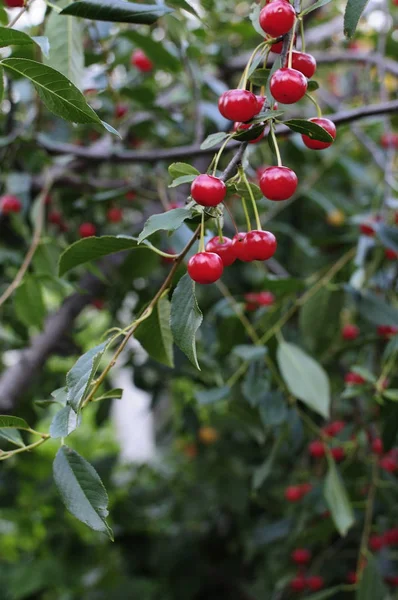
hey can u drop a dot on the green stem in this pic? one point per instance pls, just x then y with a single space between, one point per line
219 153
248 224
202 233
302 35
160 252
289 63
318 108
7 455
278 154
253 201
220 235
243 79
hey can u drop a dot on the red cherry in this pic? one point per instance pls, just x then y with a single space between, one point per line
87 230
334 428
288 85
114 215
246 126
130 196
390 254
277 47
293 493
388 463
55 217
14 3
305 63
305 488
377 446
224 249
391 536
352 378
260 245
387 331
98 303
298 584
367 229
140 60
265 298
205 267
389 140
260 102
254 300
317 449
47 200
10 204
240 248
301 556
238 105
207 190
277 18
326 124
352 577
350 332
392 579
174 205
376 542
338 453
278 183
315 583
120 110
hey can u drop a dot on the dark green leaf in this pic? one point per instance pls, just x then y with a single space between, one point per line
312 86
388 236
81 489
184 5
28 303
389 416
64 422
374 309
13 37
325 594
319 318
117 11
167 221
212 395
337 500
266 115
314 6
13 436
260 76
273 409
371 586
179 169
156 51
263 472
353 12
65 35
155 335
181 180
309 128
186 318
255 383
213 140
246 135
241 190
304 377
1 84
7 422
78 379
92 248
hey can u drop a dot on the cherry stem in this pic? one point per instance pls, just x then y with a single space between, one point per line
231 217
160 252
220 236
202 234
278 154
245 74
248 224
219 153
253 201
318 108
302 35
289 64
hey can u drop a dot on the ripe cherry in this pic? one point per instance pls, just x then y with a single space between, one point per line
305 63
277 18
367 229
207 190
389 463
130 196
277 47
55 217
87 230
224 249
256 299
377 446
352 378
376 542
140 60
120 110
386 331
350 332
260 102
338 453
10 204
389 140
238 105
390 254
288 85
259 245
298 583
352 577
240 249
314 583
278 183
14 3
334 428
205 267
114 215
301 556
98 303
293 493
326 124
317 449
238 127
391 536
392 579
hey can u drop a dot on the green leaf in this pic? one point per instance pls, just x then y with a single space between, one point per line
260 76
305 378
389 417
365 373
322 310
167 221
179 169
184 5
314 6
182 180
59 95
273 409
13 436
155 334
65 35
313 85
246 135
337 500
117 11
114 394
314 131
1 84
78 379
353 12
249 352
242 191
185 318
93 248
28 303
391 395
7 422
213 395
81 489
156 51
255 383
64 422
267 115
371 586
325 594
277 65
264 471
254 18
374 309
13 37
214 139
388 236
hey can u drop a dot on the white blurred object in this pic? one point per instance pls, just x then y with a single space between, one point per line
33 16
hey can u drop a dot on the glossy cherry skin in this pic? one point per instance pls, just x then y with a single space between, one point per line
277 47
245 127
260 102
301 556
224 249
10 204
140 60
278 183
238 105
305 63
207 190
277 18
240 248
260 245
205 267
114 215
350 332
87 230
326 124
298 584
288 85
317 449
314 583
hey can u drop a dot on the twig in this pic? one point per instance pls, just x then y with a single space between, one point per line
19 15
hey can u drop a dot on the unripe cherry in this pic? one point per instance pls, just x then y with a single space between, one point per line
224 249
305 63
238 105
277 18
205 267
260 245
278 183
208 190
326 124
288 85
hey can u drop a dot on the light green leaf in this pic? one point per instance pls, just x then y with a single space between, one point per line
312 130
117 11
1 84
213 140
182 180
371 586
64 422
155 334
178 169
305 378
28 303
78 379
167 221
114 394
391 395
185 5
374 309
212 395
260 76
81 489
314 6
353 12
337 500
13 436
7 422
65 35
243 192
155 51
185 318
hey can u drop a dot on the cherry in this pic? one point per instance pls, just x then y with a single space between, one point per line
305 63
389 140
367 229
114 215
245 127
265 298
10 204
174 205
326 124
205 267
98 303
140 60
130 196
352 378
298 584
238 105
334 428
391 536
352 577
278 183
254 300
87 230
293 493
388 463
260 245
315 583
277 18
260 102
377 446
120 110
390 254
240 248
288 85
207 190
224 249
392 579
317 449
386 331
55 217
277 47
338 453
350 332
301 556
14 3
376 542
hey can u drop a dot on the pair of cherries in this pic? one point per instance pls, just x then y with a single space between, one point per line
207 267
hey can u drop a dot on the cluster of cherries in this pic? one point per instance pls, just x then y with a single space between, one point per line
351 332
302 558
